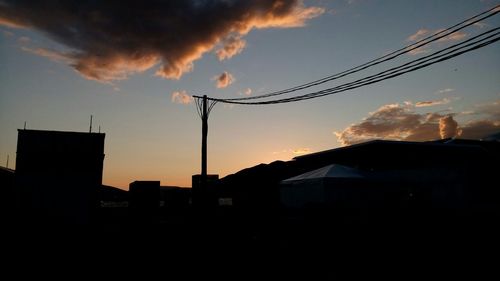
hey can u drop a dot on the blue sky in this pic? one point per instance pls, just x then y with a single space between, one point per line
151 137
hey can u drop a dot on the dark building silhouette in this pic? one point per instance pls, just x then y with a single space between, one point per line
204 196
451 175
144 195
174 197
112 197
7 194
58 175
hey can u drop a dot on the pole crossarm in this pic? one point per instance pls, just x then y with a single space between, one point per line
199 105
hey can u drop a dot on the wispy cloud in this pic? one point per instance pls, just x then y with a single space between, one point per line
296 151
420 50
432 102
420 34
480 25
246 92
50 54
457 36
443 91
301 151
170 35
224 79
7 33
423 33
24 40
181 97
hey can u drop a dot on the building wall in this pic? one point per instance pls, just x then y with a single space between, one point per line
58 174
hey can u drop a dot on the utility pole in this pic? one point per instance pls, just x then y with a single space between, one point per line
204 135
204 106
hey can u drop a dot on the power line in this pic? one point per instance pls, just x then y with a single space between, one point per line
439 56
436 36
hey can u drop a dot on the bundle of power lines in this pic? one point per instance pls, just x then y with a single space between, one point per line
479 41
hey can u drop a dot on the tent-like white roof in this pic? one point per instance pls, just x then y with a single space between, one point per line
330 171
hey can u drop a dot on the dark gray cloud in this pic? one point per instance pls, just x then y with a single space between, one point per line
112 39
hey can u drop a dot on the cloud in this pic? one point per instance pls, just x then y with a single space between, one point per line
301 151
110 40
479 129
432 102
448 127
24 40
491 110
423 33
224 80
246 92
457 36
419 35
7 33
394 121
233 45
443 91
480 25
181 97
6 22
401 122
420 50
50 54
297 151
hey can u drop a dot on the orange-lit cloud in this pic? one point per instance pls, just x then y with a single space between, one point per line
109 40
297 151
10 23
448 127
432 102
392 121
301 151
233 45
181 97
50 54
402 122
419 35
224 80
457 36
423 33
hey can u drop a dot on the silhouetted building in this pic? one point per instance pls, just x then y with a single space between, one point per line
174 197
144 195
204 196
7 195
58 175
111 197
451 175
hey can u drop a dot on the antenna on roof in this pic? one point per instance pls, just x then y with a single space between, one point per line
25 125
7 166
99 129
90 130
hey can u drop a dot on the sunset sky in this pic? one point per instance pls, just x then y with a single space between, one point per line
134 68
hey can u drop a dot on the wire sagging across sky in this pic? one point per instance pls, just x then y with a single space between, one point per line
376 78
474 43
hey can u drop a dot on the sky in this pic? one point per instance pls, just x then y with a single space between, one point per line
135 67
